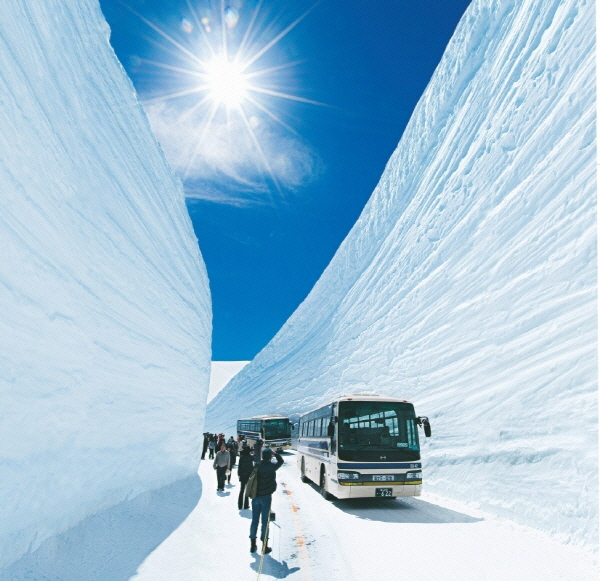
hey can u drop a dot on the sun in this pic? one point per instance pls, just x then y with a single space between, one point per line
223 62
226 82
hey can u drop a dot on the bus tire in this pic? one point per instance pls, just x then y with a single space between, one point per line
323 484
303 471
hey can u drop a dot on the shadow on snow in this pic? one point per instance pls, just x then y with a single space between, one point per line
110 545
272 567
406 509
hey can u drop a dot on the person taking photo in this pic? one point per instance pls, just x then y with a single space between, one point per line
261 504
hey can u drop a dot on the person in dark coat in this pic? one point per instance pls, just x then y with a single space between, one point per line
245 467
205 444
258 451
261 504
233 452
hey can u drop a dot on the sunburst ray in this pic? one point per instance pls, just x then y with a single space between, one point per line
229 90
277 38
200 140
175 95
285 96
162 33
272 115
260 150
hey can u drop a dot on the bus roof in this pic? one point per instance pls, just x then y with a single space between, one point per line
367 397
357 397
267 417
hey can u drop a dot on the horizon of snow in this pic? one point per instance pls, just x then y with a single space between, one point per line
221 373
105 314
468 284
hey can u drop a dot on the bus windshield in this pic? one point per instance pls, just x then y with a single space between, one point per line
276 429
375 431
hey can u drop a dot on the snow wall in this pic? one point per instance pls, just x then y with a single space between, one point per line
105 315
469 283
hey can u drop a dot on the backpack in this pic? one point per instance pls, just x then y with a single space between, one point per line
252 485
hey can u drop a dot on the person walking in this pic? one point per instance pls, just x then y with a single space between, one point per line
211 448
245 468
261 504
221 465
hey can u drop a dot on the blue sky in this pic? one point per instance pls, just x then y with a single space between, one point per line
276 172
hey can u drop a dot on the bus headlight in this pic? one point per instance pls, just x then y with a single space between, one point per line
414 475
348 476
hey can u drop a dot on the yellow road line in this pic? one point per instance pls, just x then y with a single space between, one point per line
300 538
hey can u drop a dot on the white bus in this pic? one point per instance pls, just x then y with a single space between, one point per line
274 430
361 446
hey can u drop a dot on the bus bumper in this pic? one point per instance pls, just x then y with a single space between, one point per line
348 491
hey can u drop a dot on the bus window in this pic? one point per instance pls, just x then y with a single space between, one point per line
370 428
275 429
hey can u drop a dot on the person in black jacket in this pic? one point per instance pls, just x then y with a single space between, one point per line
245 467
261 504
205 444
257 451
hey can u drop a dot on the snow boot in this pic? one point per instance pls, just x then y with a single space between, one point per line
253 545
267 550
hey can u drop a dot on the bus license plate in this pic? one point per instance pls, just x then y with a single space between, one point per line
383 492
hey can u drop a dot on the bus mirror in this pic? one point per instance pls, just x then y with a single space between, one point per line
424 423
331 429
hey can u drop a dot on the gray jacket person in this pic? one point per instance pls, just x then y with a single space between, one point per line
221 464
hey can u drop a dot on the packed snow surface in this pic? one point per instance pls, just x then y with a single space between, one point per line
105 316
171 535
469 283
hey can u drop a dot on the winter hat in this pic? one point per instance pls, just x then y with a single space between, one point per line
267 454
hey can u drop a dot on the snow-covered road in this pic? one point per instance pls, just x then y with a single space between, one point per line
313 539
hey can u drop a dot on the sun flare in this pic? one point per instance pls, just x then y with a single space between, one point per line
223 64
226 82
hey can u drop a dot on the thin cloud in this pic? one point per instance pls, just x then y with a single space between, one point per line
224 153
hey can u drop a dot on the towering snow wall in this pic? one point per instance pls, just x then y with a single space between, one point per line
468 284
105 316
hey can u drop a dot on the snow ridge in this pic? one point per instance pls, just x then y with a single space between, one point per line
105 315
469 283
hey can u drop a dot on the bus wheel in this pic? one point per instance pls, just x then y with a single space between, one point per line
323 484
303 471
